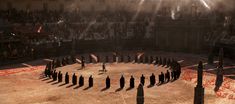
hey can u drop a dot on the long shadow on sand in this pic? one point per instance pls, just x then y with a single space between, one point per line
159 84
119 89
104 89
77 87
100 73
55 83
50 81
70 86
46 79
128 89
88 87
62 84
150 86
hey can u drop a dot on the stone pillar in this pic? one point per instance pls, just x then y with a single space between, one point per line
219 74
140 95
199 90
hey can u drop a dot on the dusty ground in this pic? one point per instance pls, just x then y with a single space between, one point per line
23 85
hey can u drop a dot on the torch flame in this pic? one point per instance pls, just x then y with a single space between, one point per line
39 29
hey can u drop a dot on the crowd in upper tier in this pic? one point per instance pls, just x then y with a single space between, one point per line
50 16
40 27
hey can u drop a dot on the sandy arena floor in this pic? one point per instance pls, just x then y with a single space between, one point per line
23 85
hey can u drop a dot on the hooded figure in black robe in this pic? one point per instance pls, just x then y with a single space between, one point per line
132 82
122 82
59 77
74 79
142 79
152 80
107 82
90 81
66 78
81 80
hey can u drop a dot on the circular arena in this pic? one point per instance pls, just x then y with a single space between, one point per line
28 81
117 52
